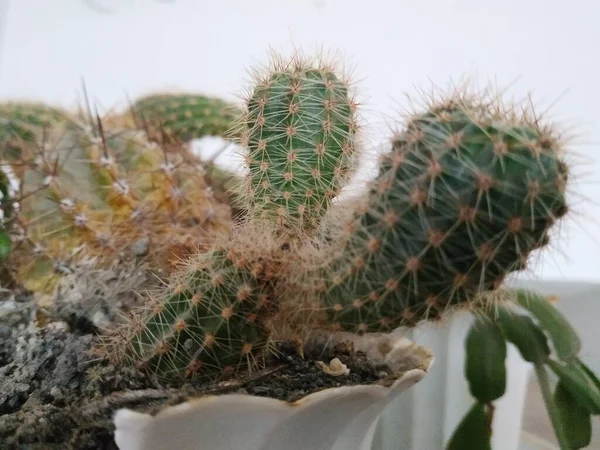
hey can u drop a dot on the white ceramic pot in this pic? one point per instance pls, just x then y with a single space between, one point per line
331 419
426 416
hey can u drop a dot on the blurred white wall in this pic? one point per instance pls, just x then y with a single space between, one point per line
548 46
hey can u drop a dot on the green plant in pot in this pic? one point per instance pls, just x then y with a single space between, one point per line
467 192
544 339
308 297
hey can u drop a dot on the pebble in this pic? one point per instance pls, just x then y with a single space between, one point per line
100 320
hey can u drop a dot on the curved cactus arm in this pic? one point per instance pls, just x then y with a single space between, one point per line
465 195
184 116
300 134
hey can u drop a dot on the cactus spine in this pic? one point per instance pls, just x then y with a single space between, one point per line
466 193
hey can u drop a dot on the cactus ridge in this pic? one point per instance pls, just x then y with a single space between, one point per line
300 132
463 198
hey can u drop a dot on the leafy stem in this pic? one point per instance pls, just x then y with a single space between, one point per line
544 382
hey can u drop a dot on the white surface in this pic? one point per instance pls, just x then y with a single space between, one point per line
329 419
530 442
580 303
426 416
549 45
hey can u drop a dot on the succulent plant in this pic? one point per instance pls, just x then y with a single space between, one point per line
530 322
99 193
32 113
300 120
213 317
467 192
300 131
185 116
177 118
19 122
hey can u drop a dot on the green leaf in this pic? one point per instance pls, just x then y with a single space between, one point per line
485 361
524 334
581 387
591 375
5 244
473 432
563 335
576 421
553 413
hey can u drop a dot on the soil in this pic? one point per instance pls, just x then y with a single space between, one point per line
54 396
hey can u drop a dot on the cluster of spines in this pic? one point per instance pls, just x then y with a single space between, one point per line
466 193
300 134
173 119
101 191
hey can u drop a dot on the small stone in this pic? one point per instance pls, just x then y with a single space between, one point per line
100 320
22 387
335 368
58 326
56 392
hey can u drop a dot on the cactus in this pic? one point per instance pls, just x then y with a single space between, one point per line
213 318
466 193
99 195
300 119
32 113
185 116
300 131
18 122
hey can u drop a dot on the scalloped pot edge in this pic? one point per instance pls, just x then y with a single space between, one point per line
331 419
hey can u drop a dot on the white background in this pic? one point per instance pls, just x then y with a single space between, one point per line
548 46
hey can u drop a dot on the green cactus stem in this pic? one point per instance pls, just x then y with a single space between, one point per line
212 319
186 116
301 139
462 199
